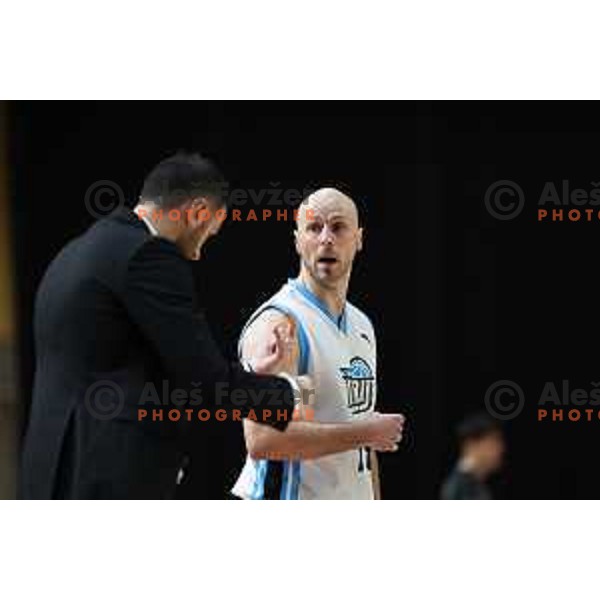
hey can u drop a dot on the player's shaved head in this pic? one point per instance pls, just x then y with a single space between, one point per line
328 236
326 202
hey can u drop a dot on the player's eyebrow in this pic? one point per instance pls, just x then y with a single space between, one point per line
314 219
338 217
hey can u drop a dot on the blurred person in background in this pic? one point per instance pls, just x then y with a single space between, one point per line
481 450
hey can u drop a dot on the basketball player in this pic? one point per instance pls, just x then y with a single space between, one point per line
332 457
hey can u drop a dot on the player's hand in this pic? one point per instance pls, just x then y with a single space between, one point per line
384 431
280 352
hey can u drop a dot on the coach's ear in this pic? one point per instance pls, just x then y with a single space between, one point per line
194 209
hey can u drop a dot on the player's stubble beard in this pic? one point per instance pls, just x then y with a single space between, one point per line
338 284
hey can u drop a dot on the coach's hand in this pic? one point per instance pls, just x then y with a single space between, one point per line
384 431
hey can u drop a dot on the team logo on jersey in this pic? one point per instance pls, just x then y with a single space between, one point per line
360 385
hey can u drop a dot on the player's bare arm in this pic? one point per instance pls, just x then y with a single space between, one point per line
304 439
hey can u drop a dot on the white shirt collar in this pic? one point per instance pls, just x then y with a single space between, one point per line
146 220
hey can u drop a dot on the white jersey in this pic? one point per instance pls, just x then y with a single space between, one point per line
340 356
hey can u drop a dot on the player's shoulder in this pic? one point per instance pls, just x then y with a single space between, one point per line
271 312
268 316
273 307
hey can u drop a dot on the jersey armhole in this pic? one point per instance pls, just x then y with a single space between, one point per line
304 353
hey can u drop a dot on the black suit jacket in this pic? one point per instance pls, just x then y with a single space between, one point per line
461 485
115 315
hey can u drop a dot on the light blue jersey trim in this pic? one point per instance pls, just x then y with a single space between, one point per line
258 489
284 481
290 484
302 337
290 489
340 322
296 479
291 469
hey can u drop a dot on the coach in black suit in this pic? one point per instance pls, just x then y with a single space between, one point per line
115 313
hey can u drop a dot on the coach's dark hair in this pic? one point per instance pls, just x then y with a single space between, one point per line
477 426
182 177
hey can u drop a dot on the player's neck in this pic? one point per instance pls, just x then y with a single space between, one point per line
333 298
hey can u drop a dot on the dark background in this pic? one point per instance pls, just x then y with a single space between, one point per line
60 149
468 299
511 299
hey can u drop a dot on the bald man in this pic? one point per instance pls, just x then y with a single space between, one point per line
329 451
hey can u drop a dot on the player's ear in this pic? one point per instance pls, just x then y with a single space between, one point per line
359 242
296 243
